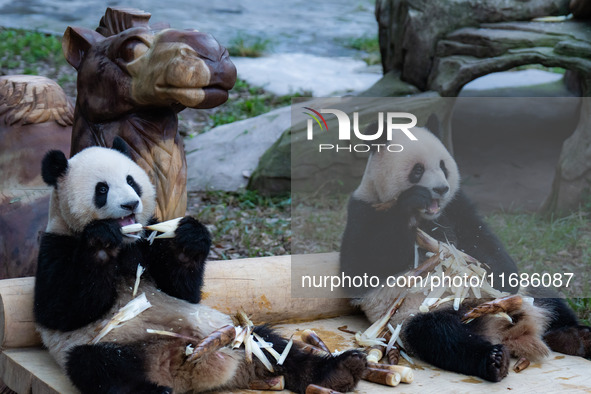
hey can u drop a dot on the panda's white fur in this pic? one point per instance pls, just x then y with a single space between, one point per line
419 187
386 173
86 273
71 214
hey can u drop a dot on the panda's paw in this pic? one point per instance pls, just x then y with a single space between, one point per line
103 234
192 239
415 198
574 341
496 364
343 372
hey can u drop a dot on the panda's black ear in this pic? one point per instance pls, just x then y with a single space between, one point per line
53 166
120 145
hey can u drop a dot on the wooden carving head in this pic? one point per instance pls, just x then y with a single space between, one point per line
125 64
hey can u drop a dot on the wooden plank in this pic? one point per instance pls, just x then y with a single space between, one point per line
33 371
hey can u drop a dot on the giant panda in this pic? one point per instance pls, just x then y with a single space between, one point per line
419 187
86 269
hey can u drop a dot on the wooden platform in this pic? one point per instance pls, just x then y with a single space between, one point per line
31 370
236 284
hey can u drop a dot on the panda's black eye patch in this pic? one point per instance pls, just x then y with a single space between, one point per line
135 186
416 173
101 190
443 168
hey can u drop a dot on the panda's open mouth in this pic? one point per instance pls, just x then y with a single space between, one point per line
433 208
127 220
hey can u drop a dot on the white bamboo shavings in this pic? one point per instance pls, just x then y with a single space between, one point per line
406 357
395 334
138 274
257 352
127 312
167 228
285 352
151 237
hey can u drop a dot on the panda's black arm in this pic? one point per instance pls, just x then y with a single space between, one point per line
376 241
476 239
72 288
177 264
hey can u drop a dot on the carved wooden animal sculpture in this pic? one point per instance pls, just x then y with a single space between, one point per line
132 82
35 116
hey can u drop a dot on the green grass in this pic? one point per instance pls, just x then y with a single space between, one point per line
248 46
248 101
537 244
245 224
369 45
23 48
560 245
557 70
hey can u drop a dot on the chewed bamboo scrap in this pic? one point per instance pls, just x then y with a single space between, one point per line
138 274
167 229
406 373
310 337
502 305
127 312
214 341
521 364
381 376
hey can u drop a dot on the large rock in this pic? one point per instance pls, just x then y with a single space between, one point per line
409 30
274 172
295 163
224 157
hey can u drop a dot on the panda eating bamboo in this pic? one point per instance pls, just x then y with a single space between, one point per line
85 278
419 188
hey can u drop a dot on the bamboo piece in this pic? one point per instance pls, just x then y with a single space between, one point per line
375 354
393 356
381 376
521 364
310 337
506 304
406 373
214 341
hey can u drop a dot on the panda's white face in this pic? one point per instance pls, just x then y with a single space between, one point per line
424 162
102 183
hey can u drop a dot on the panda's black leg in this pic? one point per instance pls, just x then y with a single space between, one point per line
441 339
178 264
110 368
301 368
565 335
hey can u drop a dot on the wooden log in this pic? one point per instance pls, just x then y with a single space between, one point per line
17 327
259 286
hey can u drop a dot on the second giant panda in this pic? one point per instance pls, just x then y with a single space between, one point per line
419 187
86 272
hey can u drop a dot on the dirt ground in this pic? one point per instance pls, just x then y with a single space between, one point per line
507 148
